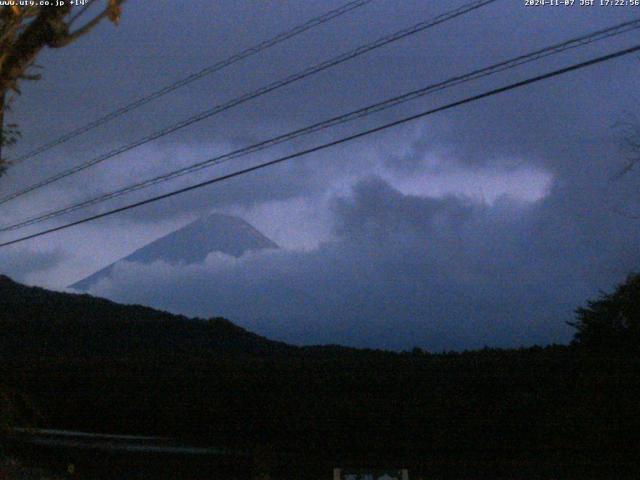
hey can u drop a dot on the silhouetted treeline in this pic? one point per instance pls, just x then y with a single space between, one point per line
611 323
539 412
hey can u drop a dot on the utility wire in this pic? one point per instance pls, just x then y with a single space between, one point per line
312 23
257 93
341 119
490 93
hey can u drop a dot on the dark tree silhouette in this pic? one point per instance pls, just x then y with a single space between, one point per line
25 31
89 364
612 322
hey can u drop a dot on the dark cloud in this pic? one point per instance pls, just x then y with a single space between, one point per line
21 264
405 270
147 51
415 255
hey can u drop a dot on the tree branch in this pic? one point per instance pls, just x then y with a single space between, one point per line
109 11
48 28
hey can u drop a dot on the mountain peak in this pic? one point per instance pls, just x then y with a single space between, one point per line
192 243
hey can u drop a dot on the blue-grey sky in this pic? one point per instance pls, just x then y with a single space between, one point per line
483 225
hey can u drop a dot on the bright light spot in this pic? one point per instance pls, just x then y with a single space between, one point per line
482 185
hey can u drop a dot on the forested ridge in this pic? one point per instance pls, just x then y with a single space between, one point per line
90 364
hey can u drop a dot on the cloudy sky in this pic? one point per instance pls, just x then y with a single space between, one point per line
486 224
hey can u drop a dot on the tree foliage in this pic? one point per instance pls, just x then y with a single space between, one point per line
94 365
629 136
612 322
25 31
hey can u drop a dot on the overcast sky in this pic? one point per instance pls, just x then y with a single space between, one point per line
487 224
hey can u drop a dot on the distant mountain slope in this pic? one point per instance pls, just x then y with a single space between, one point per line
35 321
192 244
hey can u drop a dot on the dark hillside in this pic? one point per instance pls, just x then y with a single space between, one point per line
38 322
89 364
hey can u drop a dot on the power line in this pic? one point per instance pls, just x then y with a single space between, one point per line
257 93
324 146
312 23
341 119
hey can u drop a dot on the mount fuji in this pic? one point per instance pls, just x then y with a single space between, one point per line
191 244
